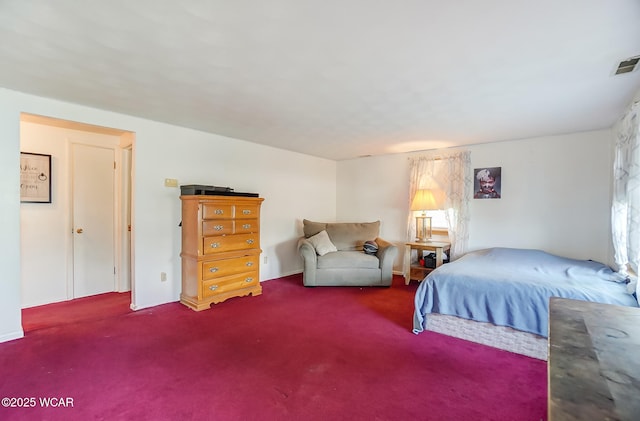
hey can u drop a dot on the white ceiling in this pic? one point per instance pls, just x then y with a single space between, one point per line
333 79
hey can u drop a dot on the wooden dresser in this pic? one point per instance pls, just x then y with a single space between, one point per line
220 249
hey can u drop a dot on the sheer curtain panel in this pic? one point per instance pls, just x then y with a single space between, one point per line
625 210
450 172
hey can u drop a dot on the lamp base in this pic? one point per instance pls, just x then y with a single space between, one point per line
423 229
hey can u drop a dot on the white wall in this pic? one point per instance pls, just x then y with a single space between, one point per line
376 188
10 313
294 186
555 195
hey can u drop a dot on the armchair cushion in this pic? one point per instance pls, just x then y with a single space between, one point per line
322 243
348 259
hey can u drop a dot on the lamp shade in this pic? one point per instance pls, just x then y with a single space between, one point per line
428 199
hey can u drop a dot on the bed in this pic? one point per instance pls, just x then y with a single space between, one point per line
500 296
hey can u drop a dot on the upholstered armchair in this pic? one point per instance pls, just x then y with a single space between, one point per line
334 254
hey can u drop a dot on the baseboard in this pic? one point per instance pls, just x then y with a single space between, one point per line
295 272
12 336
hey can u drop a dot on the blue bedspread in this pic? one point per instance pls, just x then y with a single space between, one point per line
512 287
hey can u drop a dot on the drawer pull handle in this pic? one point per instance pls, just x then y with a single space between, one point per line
249 264
219 212
213 270
250 241
215 245
246 226
213 287
246 212
218 228
248 280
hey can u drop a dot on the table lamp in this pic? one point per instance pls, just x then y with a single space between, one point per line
424 200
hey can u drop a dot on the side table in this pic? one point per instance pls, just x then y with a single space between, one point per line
419 271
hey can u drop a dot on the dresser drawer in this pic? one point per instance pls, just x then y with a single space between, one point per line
225 267
229 283
247 211
244 226
217 227
217 211
222 243
229 226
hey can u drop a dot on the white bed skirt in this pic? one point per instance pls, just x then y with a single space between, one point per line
501 337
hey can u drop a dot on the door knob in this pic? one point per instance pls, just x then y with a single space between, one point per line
79 230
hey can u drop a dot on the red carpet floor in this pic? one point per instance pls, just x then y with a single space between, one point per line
293 353
79 310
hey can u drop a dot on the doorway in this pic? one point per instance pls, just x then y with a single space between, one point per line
58 262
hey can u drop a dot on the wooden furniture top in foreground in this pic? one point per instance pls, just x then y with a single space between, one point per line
594 361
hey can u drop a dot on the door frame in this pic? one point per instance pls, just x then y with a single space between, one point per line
124 178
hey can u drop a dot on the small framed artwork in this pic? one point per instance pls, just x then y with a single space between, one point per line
35 178
487 183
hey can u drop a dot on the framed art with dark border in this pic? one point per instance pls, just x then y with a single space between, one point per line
487 183
35 178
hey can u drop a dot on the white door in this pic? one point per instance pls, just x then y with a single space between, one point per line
93 220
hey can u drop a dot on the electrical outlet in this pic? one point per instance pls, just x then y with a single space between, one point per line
170 182
264 260
163 277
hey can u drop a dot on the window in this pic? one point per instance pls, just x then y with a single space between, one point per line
438 219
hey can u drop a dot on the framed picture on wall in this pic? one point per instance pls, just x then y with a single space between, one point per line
35 178
487 183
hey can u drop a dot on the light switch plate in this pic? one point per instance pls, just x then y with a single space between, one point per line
170 182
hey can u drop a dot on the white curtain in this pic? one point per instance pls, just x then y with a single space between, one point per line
450 172
625 210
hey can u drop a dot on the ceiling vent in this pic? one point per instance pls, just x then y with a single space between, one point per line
628 65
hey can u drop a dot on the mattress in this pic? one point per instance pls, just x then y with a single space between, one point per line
510 288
